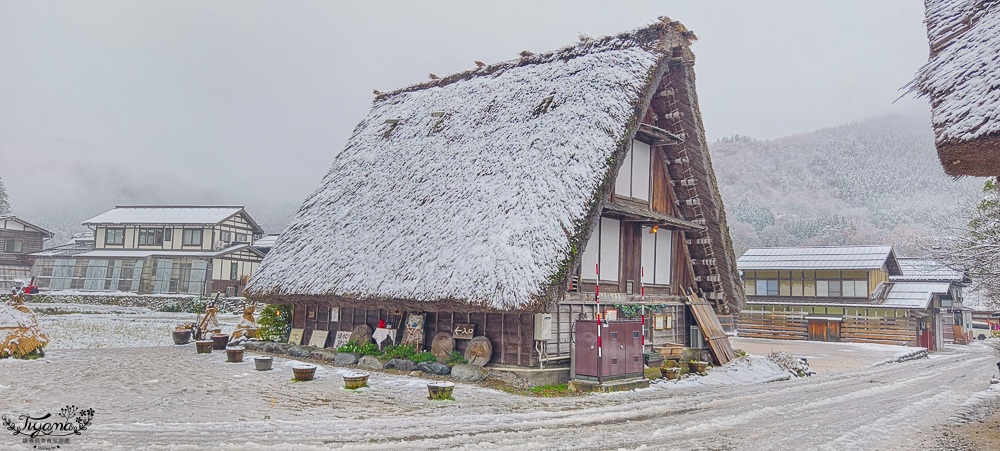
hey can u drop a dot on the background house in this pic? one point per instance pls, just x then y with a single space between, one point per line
843 293
199 250
955 315
488 196
18 239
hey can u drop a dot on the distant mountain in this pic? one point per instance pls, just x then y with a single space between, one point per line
872 181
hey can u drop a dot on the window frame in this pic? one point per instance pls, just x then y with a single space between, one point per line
234 269
662 240
112 232
187 237
628 171
13 246
151 236
599 234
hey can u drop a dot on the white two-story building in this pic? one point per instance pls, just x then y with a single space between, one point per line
200 250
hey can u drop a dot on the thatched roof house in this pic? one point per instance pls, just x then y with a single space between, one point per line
479 190
962 80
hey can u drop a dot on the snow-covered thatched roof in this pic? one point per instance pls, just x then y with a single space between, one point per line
962 80
478 187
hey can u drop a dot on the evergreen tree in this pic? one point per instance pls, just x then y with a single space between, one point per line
4 200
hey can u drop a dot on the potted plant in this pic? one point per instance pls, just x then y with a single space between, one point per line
204 346
182 334
304 372
234 354
263 363
220 341
440 390
355 380
672 373
697 366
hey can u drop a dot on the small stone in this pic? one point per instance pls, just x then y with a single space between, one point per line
277 348
415 373
323 354
346 358
468 373
401 365
439 369
255 345
370 362
300 351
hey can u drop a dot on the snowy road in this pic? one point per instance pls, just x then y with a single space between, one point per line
171 398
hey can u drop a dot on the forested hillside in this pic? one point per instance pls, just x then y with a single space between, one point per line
871 181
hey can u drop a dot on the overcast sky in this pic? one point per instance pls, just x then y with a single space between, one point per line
246 102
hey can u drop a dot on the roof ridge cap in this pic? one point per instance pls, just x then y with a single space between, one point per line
643 35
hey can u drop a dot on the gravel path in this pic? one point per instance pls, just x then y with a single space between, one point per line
173 399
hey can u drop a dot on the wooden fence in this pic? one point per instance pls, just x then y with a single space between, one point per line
780 325
890 331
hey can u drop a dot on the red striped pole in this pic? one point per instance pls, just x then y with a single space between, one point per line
642 294
597 268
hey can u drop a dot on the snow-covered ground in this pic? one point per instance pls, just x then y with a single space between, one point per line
825 357
170 398
102 326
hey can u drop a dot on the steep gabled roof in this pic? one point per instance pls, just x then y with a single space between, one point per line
26 225
819 258
168 215
962 80
480 187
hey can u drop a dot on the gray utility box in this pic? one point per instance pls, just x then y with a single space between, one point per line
621 350
543 326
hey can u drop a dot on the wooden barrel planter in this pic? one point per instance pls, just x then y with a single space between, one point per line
354 381
440 390
698 367
304 372
263 363
671 373
234 354
221 341
182 337
204 346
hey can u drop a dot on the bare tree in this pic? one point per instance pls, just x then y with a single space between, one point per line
975 248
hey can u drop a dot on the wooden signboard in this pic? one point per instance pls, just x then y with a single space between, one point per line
295 337
661 322
318 338
464 331
343 336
